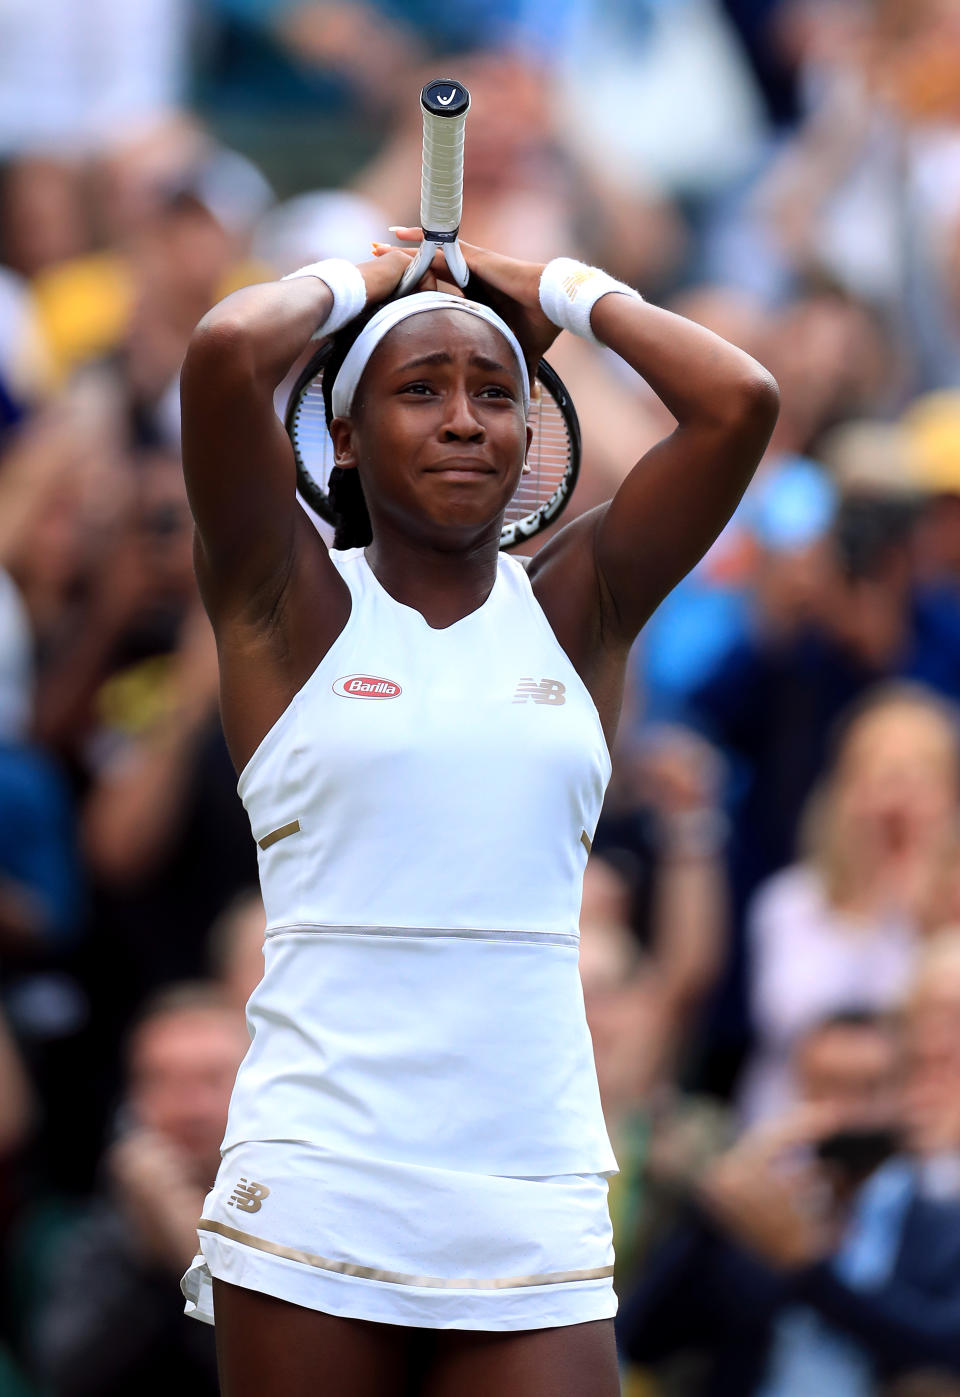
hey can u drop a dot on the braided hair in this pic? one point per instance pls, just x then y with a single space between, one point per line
344 490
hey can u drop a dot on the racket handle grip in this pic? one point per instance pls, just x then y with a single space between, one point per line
444 104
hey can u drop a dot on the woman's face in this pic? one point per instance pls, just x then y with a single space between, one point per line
437 428
898 771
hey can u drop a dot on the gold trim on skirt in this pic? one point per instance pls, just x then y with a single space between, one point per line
373 1273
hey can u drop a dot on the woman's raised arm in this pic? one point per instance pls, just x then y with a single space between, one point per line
681 493
237 458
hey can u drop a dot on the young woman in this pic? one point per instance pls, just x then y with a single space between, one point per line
413 1196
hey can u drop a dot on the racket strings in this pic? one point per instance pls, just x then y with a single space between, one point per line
548 459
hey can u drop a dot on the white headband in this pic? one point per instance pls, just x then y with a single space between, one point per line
358 355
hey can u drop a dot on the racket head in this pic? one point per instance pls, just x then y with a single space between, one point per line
542 493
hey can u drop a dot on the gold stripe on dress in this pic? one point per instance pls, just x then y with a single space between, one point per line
276 835
374 1273
585 840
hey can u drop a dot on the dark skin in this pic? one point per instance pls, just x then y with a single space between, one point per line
267 1346
439 440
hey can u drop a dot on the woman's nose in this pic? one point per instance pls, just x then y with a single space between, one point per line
460 422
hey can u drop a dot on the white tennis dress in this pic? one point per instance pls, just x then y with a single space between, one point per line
415 1135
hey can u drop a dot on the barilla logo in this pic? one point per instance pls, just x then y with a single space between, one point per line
366 686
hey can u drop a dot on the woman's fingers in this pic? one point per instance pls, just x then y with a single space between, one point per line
436 277
382 275
518 280
475 257
510 287
381 249
511 277
384 249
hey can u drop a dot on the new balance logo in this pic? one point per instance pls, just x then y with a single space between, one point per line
248 1197
540 691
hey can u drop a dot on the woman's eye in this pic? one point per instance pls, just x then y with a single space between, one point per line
420 389
496 390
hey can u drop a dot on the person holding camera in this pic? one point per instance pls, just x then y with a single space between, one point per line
810 1259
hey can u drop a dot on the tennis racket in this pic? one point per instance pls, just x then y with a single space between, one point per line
554 455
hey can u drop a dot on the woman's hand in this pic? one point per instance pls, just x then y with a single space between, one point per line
768 1193
382 276
508 286
154 1186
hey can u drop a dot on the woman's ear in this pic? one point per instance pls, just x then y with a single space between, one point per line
341 434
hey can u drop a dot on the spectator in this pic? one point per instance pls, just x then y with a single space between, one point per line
628 1032
236 947
663 831
933 1039
931 430
811 1262
773 698
17 1104
71 80
114 1323
618 993
18 1115
164 833
840 927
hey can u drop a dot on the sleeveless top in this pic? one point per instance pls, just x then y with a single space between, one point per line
423 811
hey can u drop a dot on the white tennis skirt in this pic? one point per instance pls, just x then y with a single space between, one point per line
403 1244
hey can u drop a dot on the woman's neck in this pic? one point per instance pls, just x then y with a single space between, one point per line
442 584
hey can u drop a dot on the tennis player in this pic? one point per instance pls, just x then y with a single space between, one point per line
412 1196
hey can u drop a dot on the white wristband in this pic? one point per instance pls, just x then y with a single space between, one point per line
347 286
569 290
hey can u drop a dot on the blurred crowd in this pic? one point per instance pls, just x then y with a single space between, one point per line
771 916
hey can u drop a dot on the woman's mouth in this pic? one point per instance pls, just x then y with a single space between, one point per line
461 468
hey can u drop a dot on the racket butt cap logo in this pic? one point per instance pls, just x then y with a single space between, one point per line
445 97
366 686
